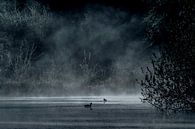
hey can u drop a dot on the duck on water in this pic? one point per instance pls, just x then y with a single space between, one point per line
105 100
88 106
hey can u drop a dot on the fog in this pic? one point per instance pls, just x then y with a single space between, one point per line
96 51
91 65
101 49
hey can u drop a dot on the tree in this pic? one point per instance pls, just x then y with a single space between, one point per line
169 83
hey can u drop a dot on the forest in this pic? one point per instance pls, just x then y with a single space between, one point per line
100 50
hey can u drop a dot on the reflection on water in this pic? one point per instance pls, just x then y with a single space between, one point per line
118 112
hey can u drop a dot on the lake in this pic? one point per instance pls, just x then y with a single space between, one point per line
119 112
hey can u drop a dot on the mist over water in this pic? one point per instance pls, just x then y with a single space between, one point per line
69 112
77 68
98 50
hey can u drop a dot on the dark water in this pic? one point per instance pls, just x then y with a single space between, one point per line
69 113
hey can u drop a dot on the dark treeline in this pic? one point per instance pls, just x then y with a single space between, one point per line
169 84
59 48
138 6
46 49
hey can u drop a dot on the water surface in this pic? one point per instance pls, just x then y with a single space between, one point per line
120 112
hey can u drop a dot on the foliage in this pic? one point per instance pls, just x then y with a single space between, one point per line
22 33
169 83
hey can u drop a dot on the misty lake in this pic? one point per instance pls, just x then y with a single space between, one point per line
122 112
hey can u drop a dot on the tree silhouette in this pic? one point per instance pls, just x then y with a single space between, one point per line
169 83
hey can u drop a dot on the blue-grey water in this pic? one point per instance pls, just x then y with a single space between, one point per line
120 112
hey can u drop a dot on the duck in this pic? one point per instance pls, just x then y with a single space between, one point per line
88 106
105 100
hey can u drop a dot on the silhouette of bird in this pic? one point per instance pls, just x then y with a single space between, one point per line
88 106
105 100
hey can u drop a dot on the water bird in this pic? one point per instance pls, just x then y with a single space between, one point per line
105 100
88 106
